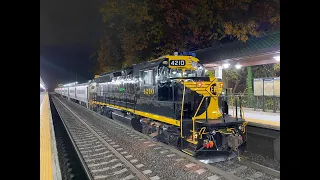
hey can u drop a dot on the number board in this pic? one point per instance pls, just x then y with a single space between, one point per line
148 91
177 63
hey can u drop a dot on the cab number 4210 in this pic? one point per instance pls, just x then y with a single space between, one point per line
177 63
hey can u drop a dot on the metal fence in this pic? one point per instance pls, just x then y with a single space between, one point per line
264 103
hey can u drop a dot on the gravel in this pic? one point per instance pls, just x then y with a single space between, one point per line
235 167
263 160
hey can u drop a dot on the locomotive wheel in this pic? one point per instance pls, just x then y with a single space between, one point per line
102 111
179 144
109 114
135 123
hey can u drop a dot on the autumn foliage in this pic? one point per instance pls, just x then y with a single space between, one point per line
137 30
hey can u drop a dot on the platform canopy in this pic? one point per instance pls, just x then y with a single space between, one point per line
256 51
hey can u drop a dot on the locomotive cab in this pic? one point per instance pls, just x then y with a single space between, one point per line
200 106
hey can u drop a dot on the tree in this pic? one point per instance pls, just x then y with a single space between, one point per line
249 87
263 71
96 66
125 22
138 30
108 56
234 77
276 68
210 73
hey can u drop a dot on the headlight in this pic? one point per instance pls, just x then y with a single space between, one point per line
194 65
214 132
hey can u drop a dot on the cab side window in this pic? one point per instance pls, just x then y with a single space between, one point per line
147 77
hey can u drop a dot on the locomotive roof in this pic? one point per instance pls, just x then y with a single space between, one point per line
137 67
107 73
82 84
148 64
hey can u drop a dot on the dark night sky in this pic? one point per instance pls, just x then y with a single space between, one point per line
69 33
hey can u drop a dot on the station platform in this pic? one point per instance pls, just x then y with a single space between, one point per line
259 118
49 163
41 97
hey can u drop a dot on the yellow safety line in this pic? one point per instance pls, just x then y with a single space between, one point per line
265 122
45 141
187 152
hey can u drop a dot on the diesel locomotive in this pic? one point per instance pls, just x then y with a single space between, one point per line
170 99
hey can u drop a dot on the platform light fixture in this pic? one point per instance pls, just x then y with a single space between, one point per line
238 66
226 65
70 84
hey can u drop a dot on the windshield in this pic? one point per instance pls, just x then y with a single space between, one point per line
177 73
164 72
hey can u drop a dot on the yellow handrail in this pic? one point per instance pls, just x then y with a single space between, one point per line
194 118
184 90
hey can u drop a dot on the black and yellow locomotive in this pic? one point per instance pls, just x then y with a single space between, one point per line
172 100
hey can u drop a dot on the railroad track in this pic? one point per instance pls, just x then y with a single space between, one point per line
98 153
70 164
98 140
